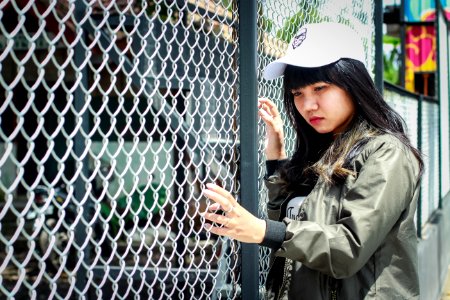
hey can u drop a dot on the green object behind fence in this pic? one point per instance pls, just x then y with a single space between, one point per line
142 204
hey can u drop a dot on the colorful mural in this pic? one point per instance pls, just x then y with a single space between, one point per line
420 40
420 52
423 10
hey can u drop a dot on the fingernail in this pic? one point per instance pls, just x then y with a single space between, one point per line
207 226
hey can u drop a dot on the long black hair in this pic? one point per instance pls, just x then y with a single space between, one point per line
373 117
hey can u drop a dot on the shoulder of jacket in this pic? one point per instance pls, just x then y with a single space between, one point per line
387 142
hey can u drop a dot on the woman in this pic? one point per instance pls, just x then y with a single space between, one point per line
341 209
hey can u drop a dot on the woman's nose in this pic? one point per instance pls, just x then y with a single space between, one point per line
310 104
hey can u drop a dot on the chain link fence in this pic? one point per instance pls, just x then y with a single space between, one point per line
113 116
442 39
427 124
421 115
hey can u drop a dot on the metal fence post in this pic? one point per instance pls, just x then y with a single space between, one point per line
379 67
80 145
402 71
419 146
248 138
438 94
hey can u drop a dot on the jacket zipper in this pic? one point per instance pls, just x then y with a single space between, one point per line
334 284
285 267
285 270
333 295
333 291
284 277
301 214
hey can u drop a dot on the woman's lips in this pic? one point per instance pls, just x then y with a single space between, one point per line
315 120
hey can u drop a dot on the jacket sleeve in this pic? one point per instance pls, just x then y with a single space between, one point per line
276 197
275 231
372 205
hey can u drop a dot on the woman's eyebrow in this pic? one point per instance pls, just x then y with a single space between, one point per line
299 89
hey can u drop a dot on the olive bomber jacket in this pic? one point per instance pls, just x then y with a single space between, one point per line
356 240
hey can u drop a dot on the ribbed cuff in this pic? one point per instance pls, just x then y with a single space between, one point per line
273 165
275 233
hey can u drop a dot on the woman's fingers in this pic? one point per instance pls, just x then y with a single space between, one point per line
263 100
224 201
268 111
265 116
237 222
222 231
214 207
269 106
219 219
269 119
220 196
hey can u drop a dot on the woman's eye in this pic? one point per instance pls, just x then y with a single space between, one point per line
296 94
319 88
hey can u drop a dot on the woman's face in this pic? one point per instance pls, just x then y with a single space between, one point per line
325 106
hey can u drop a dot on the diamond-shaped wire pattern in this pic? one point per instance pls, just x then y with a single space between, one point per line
407 105
113 116
430 149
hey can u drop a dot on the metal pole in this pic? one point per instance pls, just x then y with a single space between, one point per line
379 67
403 44
248 138
419 146
80 145
437 25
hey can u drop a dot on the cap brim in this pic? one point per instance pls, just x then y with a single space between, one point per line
274 70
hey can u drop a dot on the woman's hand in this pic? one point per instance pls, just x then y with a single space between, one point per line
237 223
269 113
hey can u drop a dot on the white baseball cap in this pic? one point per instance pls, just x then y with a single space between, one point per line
317 45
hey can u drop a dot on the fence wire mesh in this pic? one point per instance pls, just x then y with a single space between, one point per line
444 109
430 150
113 116
407 105
408 108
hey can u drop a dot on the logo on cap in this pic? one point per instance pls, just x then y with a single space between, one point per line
298 39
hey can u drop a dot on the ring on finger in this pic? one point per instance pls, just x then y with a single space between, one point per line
230 210
226 223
